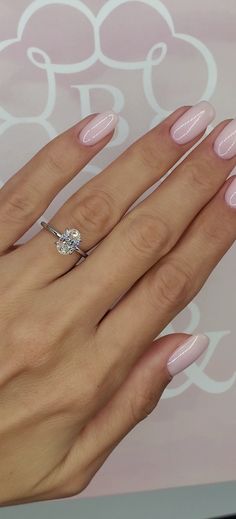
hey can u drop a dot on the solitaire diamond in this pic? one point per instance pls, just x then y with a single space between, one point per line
69 241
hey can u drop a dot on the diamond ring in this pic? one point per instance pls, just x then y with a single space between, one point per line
68 241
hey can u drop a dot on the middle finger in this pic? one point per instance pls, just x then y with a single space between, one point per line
149 232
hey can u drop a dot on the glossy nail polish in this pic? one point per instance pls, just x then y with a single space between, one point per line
100 126
230 194
225 143
192 123
187 353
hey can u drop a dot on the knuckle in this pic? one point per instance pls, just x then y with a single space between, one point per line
145 151
22 204
82 397
171 285
200 176
214 230
142 405
54 161
97 211
31 342
146 154
148 235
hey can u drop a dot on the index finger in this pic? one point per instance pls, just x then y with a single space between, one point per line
27 194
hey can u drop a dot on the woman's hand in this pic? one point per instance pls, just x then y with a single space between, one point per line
78 365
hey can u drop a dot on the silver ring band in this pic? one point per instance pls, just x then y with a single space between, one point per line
68 241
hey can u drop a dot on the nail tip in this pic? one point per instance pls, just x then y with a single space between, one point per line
187 353
204 340
107 121
210 112
115 117
217 150
211 109
193 122
110 112
225 143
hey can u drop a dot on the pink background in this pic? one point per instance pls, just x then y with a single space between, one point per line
146 58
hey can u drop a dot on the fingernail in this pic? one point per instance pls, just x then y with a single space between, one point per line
192 122
187 353
230 194
225 143
100 126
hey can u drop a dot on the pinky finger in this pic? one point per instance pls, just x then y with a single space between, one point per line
134 401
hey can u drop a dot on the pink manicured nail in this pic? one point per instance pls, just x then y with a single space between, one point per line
100 126
187 353
230 194
192 122
225 143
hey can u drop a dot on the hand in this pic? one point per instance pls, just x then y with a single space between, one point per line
79 367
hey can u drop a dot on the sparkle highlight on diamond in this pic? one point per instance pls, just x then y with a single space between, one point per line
69 241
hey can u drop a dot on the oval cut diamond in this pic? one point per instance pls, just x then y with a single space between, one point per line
69 241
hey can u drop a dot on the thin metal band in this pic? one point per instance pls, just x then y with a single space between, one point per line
56 233
51 229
